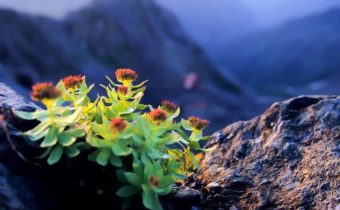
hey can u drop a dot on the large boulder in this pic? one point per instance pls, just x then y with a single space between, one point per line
287 158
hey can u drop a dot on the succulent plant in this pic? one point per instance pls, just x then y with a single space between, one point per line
118 125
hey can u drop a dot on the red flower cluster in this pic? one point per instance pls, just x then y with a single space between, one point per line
73 81
157 115
169 106
118 124
45 90
122 89
126 75
198 123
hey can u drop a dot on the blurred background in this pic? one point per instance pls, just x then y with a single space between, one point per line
223 60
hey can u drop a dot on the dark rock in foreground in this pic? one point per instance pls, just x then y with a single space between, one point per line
287 158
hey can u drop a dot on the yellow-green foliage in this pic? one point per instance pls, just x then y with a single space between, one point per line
161 149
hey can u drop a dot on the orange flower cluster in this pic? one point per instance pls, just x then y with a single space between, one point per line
73 81
122 89
44 90
118 124
198 123
169 106
126 75
157 115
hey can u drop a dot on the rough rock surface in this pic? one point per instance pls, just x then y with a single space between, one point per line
287 158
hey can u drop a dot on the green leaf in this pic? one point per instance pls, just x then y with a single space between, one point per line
72 151
70 119
103 157
133 178
77 132
137 167
37 130
50 138
126 203
120 150
102 130
141 106
55 155
115 161
140 84
186 125
120 175
127 191
174 115
41 115
66 139
38 137
194 145
25 115
93 155
150 199
45 153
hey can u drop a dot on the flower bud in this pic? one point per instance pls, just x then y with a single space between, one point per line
154 181
122 90
157 115
118 124
44 90
73 81
197 123
169 106
126 75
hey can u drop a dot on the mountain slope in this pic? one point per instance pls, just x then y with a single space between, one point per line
110 34
302 55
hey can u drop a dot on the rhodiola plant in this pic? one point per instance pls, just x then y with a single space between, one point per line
147 146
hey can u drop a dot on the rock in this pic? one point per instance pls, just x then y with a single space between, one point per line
287 158
212 185
188 194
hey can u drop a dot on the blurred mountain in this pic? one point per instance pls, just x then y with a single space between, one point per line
109 34
211 23
299 57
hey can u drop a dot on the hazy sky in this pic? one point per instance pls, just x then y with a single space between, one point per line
265 12
52 8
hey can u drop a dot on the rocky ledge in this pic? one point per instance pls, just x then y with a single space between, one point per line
287 158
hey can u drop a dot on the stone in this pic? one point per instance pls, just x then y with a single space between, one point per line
287 158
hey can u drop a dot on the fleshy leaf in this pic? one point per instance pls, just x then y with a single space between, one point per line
103 157
127 191
133 178
55 155
150 199
51 137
